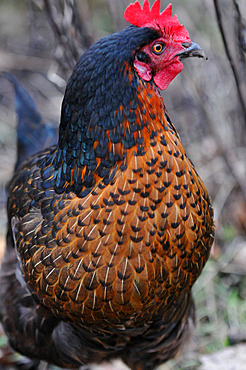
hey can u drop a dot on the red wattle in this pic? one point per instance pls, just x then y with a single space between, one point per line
163 78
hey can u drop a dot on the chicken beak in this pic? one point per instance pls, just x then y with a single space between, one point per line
192 50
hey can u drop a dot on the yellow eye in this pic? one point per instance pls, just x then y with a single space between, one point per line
158 47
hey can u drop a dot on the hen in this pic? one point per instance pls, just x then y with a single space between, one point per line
110 228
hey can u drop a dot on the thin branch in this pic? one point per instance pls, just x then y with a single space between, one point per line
71 24
82 25
240 26
229 57
58 32
11 61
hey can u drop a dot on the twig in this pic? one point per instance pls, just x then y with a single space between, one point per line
241 29
229 57
80 14
11 61
241 43
71 25
59 33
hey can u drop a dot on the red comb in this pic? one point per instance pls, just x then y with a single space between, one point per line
147 17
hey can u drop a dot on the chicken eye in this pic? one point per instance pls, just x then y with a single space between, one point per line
158 47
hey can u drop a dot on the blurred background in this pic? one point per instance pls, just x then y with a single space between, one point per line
40 42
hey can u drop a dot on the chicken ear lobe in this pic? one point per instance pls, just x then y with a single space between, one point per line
144 71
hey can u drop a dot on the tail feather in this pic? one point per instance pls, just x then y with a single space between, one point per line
33 134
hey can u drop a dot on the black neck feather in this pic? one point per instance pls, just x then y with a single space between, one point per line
101 94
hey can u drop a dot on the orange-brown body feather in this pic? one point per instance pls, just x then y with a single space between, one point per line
119 254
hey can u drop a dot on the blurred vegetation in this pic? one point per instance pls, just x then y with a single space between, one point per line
41 40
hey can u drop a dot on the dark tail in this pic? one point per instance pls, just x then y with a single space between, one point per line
33 134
